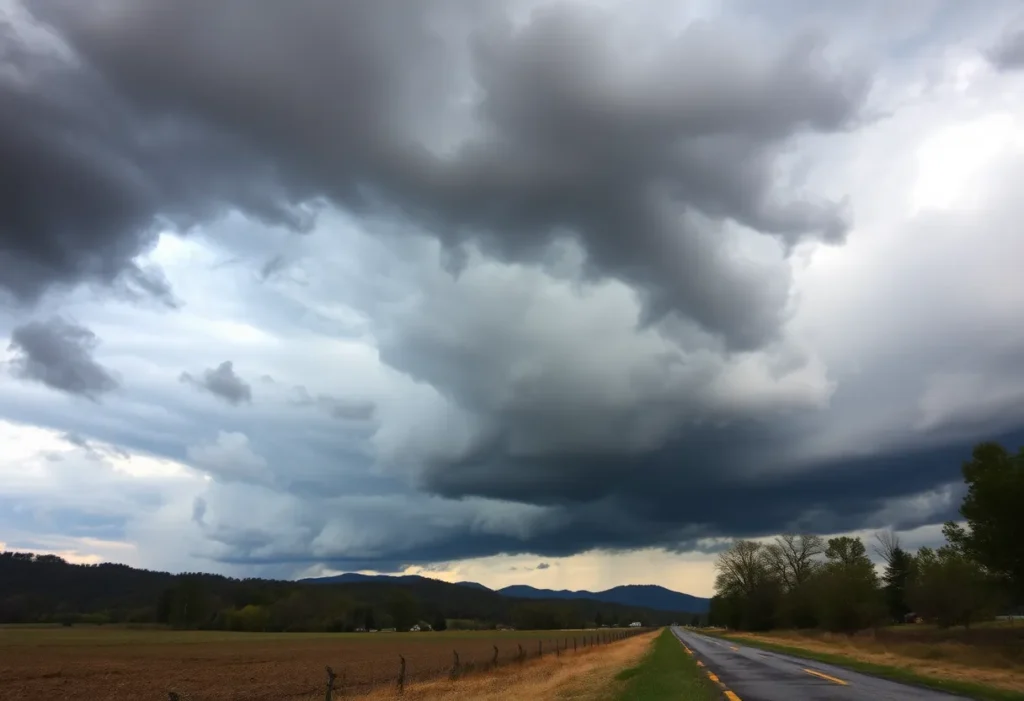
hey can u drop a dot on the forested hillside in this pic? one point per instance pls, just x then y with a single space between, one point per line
45 588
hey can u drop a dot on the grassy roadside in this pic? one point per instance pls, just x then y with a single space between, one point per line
588 675
897 674
666 672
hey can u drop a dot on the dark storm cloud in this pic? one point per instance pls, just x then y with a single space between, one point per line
677 511
223 382
356 101
1008 53
59 354
702 481
86 178
182 110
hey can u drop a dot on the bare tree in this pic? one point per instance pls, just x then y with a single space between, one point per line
741 568
792 557
888 545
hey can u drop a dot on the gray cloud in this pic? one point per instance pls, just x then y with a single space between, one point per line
59 354
342 409
229 458
93 451
603 353
643 162
274 265
1008 52
87 177
223 382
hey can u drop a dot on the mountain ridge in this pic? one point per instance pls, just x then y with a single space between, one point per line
651 596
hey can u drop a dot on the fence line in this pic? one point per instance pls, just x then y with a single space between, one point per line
336 687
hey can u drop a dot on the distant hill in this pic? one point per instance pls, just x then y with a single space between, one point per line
355 577
648 596
47 589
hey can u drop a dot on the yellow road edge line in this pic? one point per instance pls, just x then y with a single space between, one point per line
734 648
825 676
729 695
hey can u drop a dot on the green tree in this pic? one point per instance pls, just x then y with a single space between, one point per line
899 570
440 622
847 587
950 588
992 510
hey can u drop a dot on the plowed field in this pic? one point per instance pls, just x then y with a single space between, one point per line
99 664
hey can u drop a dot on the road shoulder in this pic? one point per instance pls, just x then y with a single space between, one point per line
666 672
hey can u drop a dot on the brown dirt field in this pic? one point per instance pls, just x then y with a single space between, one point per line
991 656
121 665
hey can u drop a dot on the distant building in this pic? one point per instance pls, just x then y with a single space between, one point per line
636 624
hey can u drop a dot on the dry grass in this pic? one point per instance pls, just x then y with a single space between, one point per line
585 676
991 657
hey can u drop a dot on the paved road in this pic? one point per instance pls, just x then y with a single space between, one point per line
757 675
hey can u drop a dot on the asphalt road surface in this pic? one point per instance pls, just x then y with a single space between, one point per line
757 675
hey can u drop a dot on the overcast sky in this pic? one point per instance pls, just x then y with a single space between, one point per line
306 287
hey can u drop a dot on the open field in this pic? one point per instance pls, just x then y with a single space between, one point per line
986 656
94 664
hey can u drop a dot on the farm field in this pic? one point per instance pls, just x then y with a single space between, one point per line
101 663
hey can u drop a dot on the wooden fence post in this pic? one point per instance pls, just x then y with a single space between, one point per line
171 696
454 674
330 685
574 643
494 660
522 653
401 674
557 654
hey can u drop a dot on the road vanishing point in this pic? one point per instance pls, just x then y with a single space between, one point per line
751 674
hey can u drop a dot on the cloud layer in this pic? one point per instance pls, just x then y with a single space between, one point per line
520 277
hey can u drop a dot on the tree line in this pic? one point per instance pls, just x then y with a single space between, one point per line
47 589
806 581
